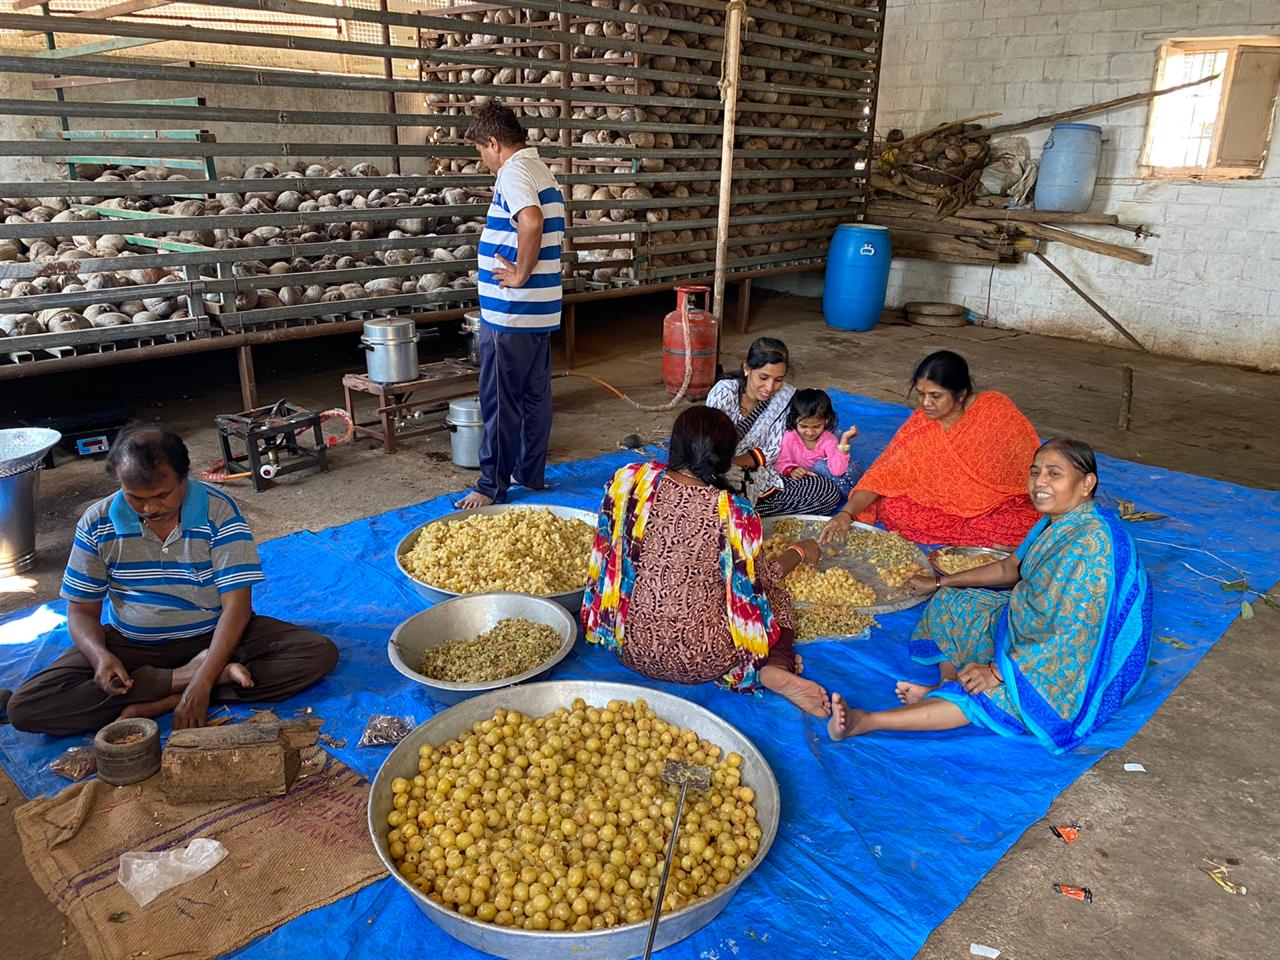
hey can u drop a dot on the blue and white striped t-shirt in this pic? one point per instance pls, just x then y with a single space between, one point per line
159 592
523 181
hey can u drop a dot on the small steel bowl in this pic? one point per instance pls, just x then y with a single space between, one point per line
992 552
465 617
539 699
571 600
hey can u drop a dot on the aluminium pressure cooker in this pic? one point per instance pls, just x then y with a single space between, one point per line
392 347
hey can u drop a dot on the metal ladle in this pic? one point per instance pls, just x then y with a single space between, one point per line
685 775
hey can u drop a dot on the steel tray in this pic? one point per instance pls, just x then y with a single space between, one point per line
888 599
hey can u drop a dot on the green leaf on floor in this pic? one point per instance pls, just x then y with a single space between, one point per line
1246 610
1236 586
1175 643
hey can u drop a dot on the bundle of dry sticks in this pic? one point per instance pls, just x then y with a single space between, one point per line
924 189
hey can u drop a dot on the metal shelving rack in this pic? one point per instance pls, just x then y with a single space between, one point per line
800 150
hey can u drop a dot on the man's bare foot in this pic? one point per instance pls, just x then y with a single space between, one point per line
474 499
909 692
152 708
236 673
845 720
805 694
232 673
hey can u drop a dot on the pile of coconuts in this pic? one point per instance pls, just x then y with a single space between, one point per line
759 131
59 255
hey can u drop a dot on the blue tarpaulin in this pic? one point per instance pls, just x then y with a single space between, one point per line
881 837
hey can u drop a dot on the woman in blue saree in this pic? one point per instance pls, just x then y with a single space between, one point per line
1055 656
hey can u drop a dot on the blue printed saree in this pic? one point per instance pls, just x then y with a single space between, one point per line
1071 639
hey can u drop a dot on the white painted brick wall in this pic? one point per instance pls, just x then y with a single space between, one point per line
1213 290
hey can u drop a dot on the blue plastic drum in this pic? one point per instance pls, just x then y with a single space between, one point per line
1069 168
857 276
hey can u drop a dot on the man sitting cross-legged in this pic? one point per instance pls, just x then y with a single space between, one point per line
176 563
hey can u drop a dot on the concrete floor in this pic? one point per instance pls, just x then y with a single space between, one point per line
1210 750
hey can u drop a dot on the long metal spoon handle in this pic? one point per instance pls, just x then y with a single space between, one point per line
666 872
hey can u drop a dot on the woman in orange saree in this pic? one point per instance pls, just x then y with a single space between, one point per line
955 472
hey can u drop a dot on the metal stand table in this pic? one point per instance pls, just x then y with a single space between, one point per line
407 409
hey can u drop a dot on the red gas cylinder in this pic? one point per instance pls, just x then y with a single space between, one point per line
702 344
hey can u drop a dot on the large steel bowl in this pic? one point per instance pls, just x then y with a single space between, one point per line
539 699
571 601
464 617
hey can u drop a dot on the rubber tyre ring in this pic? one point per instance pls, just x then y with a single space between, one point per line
123 763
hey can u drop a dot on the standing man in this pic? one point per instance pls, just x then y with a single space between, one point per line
520 297
172 564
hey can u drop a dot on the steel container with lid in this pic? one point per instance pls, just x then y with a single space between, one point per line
466 430
471 330
392 345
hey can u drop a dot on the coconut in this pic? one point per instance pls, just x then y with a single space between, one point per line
20 325
431 282
383 286
68 321
112 319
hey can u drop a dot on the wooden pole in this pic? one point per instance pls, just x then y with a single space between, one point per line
389 73
729 96
1084 243
1084 111
1093 303
1126 397
248 379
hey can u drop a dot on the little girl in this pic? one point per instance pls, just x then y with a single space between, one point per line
810 446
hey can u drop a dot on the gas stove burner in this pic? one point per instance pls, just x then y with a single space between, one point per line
269 436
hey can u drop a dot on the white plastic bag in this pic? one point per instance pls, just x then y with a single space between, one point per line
147 875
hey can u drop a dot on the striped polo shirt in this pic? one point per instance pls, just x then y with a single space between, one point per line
159 592
523 181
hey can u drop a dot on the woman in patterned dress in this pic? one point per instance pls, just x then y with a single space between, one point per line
679 587
1055 656
955 472
756 401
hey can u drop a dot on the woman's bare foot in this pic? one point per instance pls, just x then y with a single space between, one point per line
152 708
845 720
805 694
474 499
909 692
